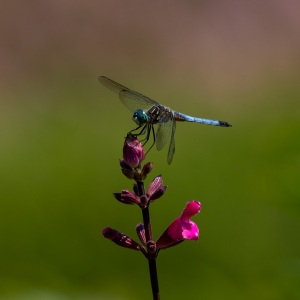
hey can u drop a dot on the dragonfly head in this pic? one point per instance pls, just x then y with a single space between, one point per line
140 117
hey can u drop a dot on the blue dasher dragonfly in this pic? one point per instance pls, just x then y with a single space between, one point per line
147 112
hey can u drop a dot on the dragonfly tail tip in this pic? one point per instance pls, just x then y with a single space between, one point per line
225 124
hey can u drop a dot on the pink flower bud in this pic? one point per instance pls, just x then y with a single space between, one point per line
156 189
127 197
133 151
120 238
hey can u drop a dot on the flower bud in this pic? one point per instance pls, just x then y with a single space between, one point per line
140 230
126 170
120 238
133 151
147 168
156 189
127 197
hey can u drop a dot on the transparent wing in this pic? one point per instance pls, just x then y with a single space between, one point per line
163 133
134 100
131 99
172 145
112 85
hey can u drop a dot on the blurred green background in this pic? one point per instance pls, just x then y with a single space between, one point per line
62 135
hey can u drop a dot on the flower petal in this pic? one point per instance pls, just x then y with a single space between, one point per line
191 209
190 231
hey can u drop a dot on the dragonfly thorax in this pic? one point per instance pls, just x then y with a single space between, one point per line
140 117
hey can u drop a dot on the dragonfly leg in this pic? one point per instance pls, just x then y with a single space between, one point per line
148 129
131 131
151 129
140 133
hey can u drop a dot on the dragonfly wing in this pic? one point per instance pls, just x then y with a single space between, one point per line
112 85
163 133
172 145
131 99
134 100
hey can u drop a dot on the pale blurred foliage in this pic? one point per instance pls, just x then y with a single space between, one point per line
218 44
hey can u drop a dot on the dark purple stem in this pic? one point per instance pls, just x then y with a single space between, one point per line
148 233
154 279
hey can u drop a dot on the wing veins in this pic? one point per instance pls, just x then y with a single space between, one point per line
131 99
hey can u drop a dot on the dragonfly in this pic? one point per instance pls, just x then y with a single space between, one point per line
147 113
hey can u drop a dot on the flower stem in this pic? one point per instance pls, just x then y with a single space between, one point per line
154 279
147 223
148 234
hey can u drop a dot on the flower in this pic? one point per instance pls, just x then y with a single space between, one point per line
127 197
140 230
156 189
133 151
126 170
182 228
147 168
120 238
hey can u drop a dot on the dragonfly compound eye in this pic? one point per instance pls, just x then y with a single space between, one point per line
140 117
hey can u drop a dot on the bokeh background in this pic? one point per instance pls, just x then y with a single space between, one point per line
62 135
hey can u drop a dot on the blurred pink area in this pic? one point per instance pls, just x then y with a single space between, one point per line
214 42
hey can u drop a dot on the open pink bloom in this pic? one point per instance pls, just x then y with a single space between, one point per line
133 151
182 228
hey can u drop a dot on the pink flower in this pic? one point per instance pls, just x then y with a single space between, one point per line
182 228
133 151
